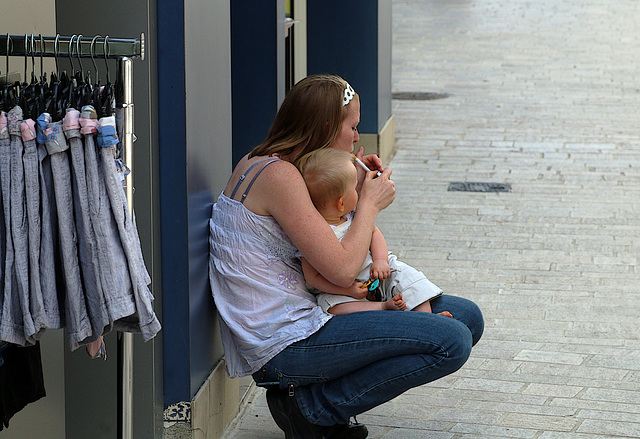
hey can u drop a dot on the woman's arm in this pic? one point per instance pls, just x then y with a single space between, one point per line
319 282
280 191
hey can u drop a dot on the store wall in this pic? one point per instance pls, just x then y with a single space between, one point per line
91 381
18 18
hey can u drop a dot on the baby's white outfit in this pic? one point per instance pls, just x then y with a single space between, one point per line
413 284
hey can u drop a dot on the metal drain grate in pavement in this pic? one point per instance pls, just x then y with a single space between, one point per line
464 186
419 96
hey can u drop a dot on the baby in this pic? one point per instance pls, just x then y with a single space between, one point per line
331 178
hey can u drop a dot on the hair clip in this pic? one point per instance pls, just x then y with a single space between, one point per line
348 94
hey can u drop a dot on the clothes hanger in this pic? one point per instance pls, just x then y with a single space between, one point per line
80 85
67 86
42 86
86 88
107 96
29 91
54 85
95 95
23 94
33 97
76 77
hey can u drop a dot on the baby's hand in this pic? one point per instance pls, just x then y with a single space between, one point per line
358 290
380 270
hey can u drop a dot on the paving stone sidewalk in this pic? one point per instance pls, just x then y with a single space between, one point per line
543 95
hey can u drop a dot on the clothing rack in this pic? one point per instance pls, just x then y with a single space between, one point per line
124 50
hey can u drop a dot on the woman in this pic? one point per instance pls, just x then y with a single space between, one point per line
328 368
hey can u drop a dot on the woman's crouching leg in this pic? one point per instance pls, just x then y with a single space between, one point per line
359 361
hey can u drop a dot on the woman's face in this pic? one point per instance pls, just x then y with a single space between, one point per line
348 134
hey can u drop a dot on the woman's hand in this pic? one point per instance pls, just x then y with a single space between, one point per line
358 290
372 161
377 192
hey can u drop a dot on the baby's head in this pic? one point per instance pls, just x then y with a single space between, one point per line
331 178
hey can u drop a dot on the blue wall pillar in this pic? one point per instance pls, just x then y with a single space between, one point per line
173 205
257 56
353 39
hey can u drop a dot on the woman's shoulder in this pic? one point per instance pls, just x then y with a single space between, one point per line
282 178
247 167
268 161
274 169
267 180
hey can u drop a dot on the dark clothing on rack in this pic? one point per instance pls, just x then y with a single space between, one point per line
21 380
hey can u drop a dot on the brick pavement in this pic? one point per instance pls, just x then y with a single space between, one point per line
542 95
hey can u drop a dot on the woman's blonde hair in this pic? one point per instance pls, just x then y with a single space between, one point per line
310 117
327 173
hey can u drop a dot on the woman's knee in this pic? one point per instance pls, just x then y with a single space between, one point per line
474 321
460 341
463 310
478 329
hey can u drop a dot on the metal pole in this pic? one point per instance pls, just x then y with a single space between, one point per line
125 339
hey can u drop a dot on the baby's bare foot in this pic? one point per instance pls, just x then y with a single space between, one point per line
394 304
445 313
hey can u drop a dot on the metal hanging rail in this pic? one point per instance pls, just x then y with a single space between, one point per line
76 45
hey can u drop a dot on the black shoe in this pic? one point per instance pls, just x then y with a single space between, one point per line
287 414
346 431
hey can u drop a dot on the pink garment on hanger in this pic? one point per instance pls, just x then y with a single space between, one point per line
3 121
88 120
28 129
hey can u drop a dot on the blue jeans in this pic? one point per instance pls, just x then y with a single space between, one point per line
361 360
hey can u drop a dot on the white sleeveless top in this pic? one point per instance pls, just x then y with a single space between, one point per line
258 287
